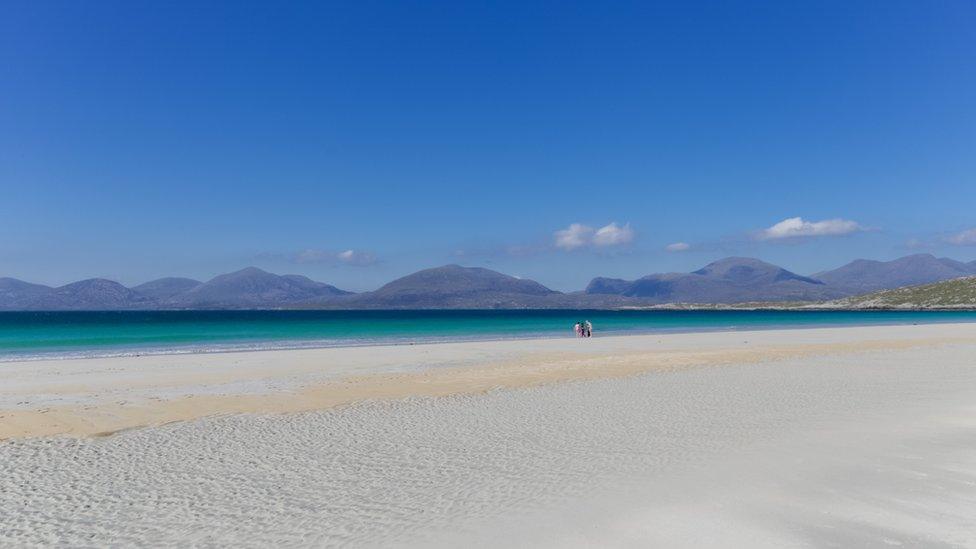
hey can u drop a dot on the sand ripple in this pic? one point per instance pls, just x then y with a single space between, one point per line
830 450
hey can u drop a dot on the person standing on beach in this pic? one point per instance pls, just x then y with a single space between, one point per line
578 328
588 328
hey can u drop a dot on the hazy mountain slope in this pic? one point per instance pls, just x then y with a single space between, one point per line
611 286
729 280
453 286
955 293
865 275
252 288
165 288
310 285
94 294
17 294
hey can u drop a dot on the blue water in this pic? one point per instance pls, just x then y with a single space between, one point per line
64 334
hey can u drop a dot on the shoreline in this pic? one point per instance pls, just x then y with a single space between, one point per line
123 351
101 396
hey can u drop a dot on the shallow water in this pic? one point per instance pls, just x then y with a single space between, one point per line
66 334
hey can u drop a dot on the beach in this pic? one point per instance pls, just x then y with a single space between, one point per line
852 436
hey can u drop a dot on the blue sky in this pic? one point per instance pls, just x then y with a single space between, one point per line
140 140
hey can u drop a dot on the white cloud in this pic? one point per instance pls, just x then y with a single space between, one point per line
578 236
355 257
575 236
613 235
965 238
677 247
797 227
348 257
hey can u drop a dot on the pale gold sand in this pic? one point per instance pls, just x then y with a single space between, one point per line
86 397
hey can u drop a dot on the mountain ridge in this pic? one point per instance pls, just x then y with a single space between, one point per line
247 288
866 275
167 287
956 293
728 280
454 286
725 281
252 287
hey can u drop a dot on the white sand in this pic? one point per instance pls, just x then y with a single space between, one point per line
823 445
100 396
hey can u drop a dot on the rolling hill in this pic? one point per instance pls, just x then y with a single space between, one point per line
166 288
730 280
733 280
94 294
958 293
863 275
454 286
252 288
17 294
249 288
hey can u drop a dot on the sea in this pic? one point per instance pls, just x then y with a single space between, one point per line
44 335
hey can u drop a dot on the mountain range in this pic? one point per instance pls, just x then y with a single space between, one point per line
729 280
863 275
957 293
455 287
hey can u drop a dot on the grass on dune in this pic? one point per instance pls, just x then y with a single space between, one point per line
958 292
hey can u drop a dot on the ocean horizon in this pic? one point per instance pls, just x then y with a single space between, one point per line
84 334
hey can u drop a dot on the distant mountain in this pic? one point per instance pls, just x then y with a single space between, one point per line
730 280
610 286
453 286
319 288
252 288
94 294
958 293
17 294
734 280
166 288
863 275
248 288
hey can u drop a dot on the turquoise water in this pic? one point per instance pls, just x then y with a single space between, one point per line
30 335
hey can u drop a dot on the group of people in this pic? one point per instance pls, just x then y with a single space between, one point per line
583 329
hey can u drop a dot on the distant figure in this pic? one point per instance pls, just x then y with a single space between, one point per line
588 328
578 328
